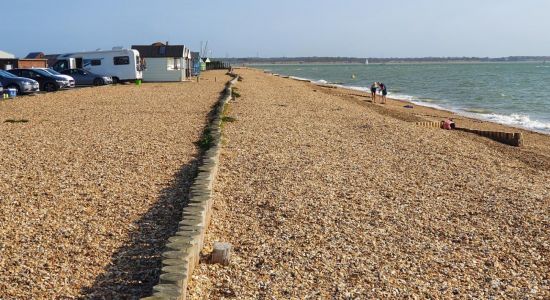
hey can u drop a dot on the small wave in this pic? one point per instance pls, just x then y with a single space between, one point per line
518 120
401 96
299 78
478 110
422 101
355 88
432 105
430 100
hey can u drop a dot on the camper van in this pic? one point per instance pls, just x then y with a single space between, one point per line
124 65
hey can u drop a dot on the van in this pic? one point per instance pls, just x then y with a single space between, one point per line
123 65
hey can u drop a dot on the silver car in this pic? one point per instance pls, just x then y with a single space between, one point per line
21 84
85 77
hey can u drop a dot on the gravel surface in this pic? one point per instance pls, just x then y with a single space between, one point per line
92 185
325 196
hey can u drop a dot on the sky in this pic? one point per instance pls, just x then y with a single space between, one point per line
291 28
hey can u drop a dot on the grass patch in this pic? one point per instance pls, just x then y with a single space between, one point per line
226 109
228 119
225 115
206 140
16 121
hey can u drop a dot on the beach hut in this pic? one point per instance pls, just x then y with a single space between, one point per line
195 63
188 65
204 62
164 62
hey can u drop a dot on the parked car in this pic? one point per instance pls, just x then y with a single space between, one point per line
47 81
21 84
54 72
85 77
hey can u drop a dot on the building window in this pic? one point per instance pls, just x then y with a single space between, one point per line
169 64
174 63
96 62
121 60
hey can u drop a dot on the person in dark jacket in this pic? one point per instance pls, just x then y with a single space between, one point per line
384 91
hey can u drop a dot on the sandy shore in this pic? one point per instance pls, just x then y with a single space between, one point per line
92 185
327 196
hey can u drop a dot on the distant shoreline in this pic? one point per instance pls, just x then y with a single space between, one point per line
374 60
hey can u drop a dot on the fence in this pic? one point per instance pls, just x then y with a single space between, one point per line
217 65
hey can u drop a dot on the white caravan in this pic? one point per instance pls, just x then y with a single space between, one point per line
123 65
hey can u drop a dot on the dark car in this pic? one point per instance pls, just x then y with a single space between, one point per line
21 84
47 81
54 72
85 77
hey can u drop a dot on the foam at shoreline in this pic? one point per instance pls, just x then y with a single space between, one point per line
518 120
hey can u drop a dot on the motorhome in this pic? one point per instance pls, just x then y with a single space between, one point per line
123 65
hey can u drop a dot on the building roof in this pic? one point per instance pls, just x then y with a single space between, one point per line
160 50
35 55
6 55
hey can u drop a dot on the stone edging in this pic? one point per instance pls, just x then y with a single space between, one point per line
182 252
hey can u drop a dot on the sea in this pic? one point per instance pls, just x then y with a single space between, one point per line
515 94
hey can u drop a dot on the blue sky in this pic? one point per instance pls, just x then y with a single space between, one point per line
238 28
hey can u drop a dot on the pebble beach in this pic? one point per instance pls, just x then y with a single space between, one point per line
92 183
324 195
321 193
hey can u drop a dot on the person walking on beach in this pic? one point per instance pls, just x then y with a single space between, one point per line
373 89
384 93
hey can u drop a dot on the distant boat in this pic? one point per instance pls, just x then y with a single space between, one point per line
366 61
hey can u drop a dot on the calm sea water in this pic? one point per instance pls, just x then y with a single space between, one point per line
516 94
